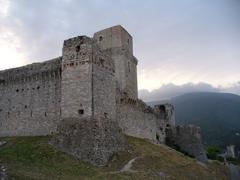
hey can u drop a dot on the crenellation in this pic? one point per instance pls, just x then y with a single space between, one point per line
28 99
94 79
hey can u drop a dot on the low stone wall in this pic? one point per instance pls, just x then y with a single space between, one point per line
90 140
187 139
134 121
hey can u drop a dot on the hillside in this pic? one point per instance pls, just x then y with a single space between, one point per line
218 115
33 158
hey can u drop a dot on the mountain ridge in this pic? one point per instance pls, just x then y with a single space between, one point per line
218 115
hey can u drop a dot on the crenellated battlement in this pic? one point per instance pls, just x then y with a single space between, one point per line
30 73
94 79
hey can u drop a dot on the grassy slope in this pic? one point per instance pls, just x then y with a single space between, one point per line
33 158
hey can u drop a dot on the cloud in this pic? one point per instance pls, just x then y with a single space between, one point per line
168 91
4 4
174 41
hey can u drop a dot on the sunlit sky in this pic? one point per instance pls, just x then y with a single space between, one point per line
176 41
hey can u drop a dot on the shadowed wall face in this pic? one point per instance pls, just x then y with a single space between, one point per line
118 43
77 77
30 99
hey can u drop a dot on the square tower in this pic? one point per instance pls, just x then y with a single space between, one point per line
88 82
118 43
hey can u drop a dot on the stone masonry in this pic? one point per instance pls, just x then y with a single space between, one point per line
94 79
91 140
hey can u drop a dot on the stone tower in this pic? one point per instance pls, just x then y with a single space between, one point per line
88 84
118 43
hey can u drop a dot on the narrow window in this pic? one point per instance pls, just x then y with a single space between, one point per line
128 66
45 114
81 111
105 115
157 137
25 106
100 38
77 48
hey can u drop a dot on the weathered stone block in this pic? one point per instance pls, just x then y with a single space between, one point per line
188 140
90 140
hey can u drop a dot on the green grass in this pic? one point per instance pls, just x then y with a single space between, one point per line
33 158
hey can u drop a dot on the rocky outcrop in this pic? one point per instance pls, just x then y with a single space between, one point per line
90 140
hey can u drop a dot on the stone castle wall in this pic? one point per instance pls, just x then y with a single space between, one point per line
30 99
95 79
139 120
104 85
88 80
77 77
188 140
117 42
136 122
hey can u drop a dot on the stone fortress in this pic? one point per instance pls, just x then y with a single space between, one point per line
95 78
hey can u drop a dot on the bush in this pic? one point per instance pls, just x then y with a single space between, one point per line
212 152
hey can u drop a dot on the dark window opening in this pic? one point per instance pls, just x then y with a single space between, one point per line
80 111
105 115
45 114
31 113
77 48
71 64
100 38
157 137
25 106
128 41
128 66
17 90
101 61
162 108
38 87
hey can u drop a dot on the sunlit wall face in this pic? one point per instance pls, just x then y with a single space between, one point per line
178 42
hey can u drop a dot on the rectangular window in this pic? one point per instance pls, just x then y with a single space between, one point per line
81 111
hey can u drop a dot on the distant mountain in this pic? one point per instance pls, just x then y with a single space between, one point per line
218 115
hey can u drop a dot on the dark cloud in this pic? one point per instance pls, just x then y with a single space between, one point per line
170 90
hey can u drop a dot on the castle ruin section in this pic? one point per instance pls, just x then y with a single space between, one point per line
88 81
77 78
117 42
30 99
186 139
95 81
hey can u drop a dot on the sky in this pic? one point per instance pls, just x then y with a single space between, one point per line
187 45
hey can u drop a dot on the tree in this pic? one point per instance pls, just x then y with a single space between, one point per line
212 152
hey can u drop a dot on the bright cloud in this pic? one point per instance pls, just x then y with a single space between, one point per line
4 5
10 55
